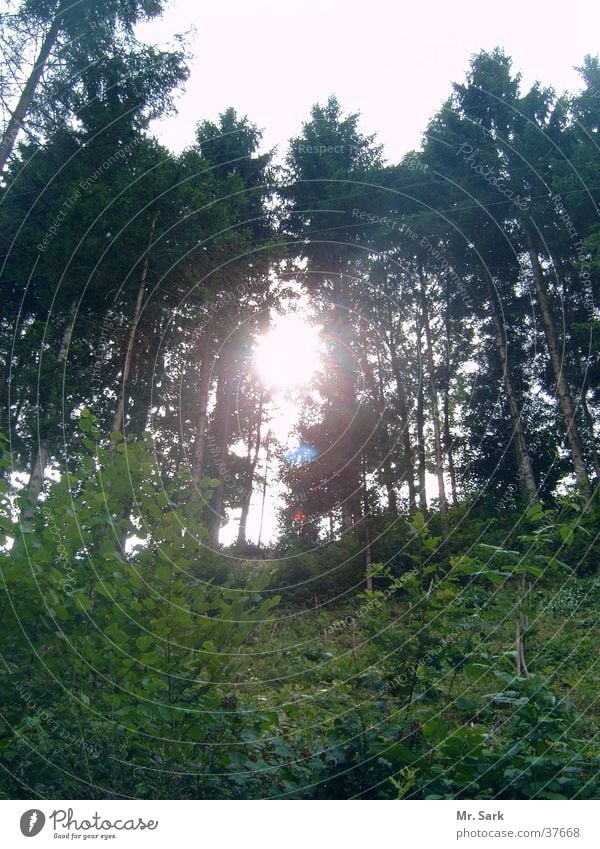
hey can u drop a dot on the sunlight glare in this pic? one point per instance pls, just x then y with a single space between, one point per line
288 355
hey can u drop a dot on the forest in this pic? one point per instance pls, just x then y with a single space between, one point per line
298 450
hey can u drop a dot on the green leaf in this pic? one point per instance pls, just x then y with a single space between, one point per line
83 601
144 643
566 534
163 572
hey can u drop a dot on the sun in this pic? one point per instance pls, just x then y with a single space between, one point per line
289 354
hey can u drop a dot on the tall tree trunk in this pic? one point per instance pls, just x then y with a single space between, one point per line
36 477
392 498
446 422
16 122
421 456
377 393
252 461
205 378
367 534
404 423
388 473
221 442
118 424
242 530
562 386
67 335
435 413
264 488
346 515
344 394
33 489
448 447
526 477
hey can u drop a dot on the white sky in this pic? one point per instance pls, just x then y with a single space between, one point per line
392 61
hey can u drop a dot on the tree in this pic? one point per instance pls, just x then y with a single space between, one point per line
523 129
86 54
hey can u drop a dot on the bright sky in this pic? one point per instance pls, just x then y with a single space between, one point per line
286 360
392 61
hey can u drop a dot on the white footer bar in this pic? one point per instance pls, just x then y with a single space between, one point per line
301 825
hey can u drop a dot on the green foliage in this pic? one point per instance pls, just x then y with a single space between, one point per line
128 656
123 671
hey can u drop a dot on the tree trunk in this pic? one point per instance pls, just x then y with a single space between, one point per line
346 515
344 394
36 478
15 124
67 335
205 377
368 559
241 538
252 461
118 424
392 498
367 534
404 422
521 630
421 456
447 429
562 386
221 443
448 448
526 477
377 391
264 489
343 343
435 413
